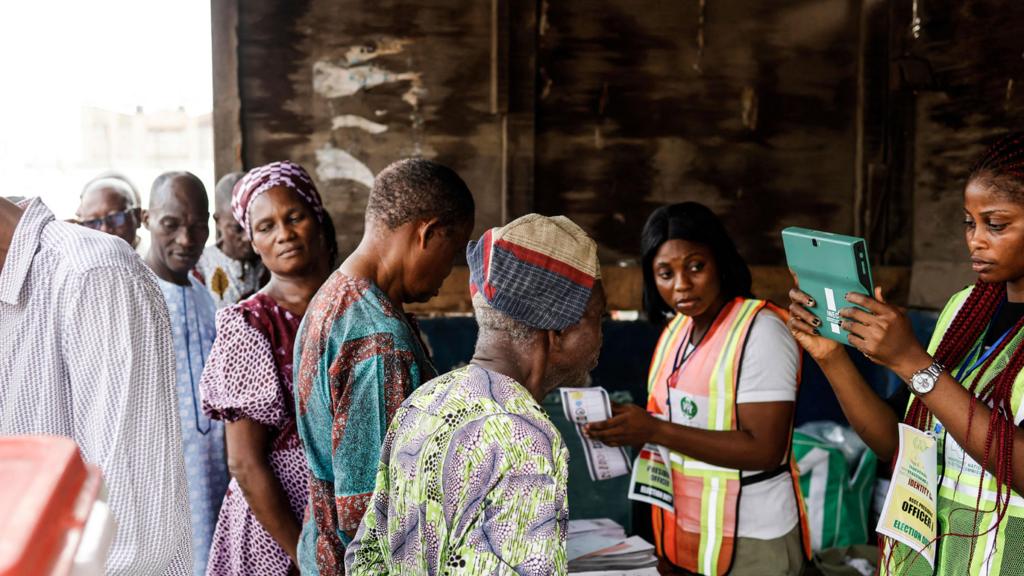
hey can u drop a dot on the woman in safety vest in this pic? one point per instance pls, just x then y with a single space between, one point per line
719 418
968 390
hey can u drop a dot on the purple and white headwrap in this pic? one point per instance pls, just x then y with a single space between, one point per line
286 174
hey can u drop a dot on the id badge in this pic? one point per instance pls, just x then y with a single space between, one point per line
688 409
954 458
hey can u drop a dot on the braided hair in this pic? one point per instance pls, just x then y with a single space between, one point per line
1002 168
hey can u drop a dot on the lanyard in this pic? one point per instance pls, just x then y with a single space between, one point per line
188 359
677 364
681 357
967 367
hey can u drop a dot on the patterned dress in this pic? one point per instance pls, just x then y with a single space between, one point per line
192 326
249 375
357 359
472 480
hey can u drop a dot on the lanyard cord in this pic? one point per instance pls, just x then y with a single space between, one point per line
678 362
188 360
979 353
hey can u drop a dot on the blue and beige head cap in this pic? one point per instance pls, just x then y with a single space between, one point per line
538 270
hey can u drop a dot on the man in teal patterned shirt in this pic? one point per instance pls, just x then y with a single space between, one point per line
473 474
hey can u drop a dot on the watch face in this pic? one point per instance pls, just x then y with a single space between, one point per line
922 383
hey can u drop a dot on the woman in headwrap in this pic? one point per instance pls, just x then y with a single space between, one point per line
247 381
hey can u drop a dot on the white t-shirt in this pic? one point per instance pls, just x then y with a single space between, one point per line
768 373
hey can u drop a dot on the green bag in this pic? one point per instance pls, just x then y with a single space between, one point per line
837 479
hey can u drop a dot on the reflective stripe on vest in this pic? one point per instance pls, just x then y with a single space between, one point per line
700 535
959 488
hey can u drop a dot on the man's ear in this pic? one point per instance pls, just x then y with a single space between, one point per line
428 231
553 340
144 217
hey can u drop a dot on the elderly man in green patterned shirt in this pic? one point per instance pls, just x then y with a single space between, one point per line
472 478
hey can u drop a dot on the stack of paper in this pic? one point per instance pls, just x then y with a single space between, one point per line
600 546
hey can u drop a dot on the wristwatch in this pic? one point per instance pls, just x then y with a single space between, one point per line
924 380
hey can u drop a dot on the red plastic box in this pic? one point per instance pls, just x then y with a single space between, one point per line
46 495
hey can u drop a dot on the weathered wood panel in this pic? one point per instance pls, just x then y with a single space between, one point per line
346 87
758 123
975 51
822 113
227 130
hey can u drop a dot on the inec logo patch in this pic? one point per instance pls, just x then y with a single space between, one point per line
689 407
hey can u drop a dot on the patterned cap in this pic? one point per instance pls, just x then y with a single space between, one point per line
286 174
537 270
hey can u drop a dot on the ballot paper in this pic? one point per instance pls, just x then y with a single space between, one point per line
630 554
600 546
583 406
652 571
587 536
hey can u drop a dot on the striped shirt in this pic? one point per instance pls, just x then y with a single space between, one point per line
87 354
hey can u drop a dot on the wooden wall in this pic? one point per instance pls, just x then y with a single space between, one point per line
747 107
974 52
816 113
344 88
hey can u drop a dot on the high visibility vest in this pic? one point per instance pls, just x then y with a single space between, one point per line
1001 549
700 536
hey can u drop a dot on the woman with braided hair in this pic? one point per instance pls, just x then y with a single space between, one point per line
967 386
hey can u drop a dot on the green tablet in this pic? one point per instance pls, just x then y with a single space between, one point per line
828 266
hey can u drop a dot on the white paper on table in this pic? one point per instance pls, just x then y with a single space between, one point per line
595 524
630 545
583 406
637 572
579 546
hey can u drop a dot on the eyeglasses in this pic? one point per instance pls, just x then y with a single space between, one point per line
114 220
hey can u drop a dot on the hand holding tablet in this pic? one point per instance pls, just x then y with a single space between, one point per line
828 266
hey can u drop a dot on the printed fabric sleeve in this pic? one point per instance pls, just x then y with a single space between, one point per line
514 519
382 372
240 379
369 553
126 416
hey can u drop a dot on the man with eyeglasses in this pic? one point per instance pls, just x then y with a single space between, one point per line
177 223
109 205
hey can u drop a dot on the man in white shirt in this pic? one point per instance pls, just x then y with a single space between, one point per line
86 353
176 220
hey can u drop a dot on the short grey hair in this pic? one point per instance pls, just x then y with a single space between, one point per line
222 191
115 184
492 321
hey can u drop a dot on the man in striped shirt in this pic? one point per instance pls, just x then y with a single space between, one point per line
85 352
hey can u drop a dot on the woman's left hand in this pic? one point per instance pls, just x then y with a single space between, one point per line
884 334
630 425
